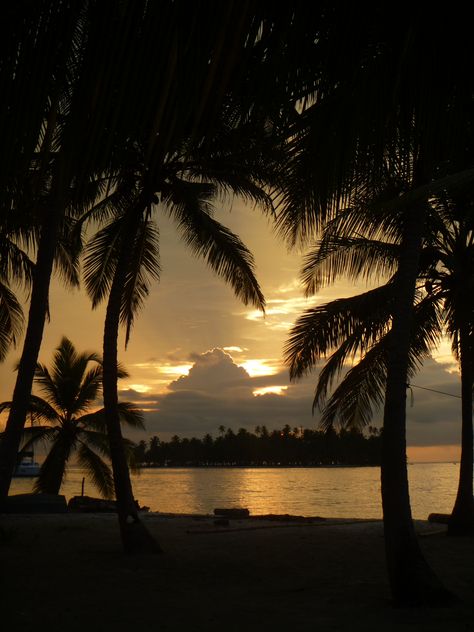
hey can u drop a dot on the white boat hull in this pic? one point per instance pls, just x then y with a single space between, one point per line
25 470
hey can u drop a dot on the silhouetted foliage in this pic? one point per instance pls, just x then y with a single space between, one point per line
284 447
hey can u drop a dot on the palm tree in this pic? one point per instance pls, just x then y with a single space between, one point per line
374 112
362 324
38 46
62 419
179 64
122 259
81 123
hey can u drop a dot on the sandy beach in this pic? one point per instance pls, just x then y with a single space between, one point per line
67 572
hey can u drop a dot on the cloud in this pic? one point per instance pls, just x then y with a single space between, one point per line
434 418
213 370
217 391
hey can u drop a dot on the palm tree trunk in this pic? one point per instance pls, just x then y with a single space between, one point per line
10 443
135 536
53 468
411 579
461 521
53 488
34 334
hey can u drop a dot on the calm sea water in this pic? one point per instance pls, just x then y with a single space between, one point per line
332 492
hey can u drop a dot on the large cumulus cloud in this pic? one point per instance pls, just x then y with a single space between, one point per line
219 392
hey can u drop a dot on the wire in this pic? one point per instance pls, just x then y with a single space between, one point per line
433 390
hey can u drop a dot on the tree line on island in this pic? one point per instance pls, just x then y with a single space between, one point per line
351 123
285 447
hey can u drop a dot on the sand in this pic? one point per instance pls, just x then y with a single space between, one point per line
67 572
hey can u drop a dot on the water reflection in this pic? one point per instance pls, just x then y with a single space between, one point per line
337 492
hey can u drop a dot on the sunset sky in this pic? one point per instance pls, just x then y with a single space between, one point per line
199 358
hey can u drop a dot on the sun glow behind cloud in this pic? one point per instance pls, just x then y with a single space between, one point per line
260 367
444 355
139 388
267 390
174 370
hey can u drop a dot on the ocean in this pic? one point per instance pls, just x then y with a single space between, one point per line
342 492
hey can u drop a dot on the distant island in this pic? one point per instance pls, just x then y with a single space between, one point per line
286 447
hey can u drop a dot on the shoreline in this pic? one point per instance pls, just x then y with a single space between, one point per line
68 570
344 492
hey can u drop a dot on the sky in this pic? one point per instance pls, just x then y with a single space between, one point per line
198 358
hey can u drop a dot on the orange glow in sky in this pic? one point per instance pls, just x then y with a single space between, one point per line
433 454
191 312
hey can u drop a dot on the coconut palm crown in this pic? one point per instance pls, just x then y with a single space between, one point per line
362 325
62 418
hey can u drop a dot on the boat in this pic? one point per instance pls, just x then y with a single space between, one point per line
26 466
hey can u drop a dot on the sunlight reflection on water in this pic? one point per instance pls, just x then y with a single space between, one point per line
336 492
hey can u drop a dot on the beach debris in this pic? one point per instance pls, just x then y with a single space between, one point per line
235 513
288 518
87 504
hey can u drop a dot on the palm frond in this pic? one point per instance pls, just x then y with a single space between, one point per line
116 199
129 414
335 364
353 258
68 250
40 410
90 387
361 319
11 320
64 385
457 181
47 385
362 389
144 266
33 435
243 159
121 371
94 436
359 393
16 266
97 469
427 330
101 260
223 251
